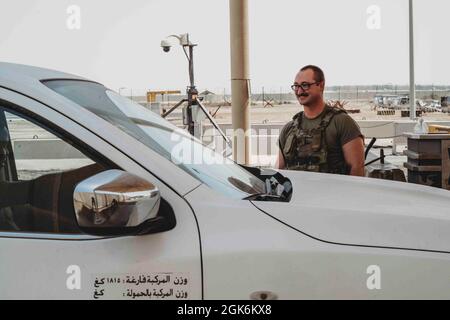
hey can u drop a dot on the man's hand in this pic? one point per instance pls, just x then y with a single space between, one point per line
354 156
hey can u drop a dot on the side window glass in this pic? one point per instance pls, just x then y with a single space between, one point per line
38 152
38 175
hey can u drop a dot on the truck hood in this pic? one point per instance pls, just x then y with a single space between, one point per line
365 212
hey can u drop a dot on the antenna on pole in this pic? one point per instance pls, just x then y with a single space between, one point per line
193 100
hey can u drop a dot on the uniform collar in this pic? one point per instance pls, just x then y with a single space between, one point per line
320 115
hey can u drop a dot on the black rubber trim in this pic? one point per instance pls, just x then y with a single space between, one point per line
346 244
55 238
133 160
67 79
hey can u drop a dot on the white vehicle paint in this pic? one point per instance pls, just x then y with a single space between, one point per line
318 243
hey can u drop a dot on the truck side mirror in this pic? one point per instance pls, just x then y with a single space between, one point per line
115 202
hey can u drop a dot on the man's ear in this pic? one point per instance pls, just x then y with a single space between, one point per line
322 85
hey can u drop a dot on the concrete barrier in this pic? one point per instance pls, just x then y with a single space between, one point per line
381 129
264 139
25 149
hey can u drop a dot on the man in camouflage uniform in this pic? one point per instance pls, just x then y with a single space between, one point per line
321 138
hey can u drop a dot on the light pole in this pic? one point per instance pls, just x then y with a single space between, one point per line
191 90
192 93
412 82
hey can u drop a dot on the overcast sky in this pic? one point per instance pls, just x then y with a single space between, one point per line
118 43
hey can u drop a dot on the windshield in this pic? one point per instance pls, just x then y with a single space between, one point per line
171 142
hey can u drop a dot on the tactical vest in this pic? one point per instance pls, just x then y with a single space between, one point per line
307 150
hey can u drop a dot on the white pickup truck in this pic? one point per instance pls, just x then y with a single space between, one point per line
106 204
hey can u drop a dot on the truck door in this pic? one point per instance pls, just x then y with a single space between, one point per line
43 254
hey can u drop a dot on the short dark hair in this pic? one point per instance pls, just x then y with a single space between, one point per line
318 73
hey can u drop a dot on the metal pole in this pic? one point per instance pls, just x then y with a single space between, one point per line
412 84
263 98
281 90
191 65
240 80
214 123
191 92
174 107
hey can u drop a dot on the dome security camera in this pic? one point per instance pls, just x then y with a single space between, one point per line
165 45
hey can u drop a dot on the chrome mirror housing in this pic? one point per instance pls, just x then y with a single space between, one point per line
114 201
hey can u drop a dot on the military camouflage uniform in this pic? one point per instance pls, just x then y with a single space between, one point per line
316 144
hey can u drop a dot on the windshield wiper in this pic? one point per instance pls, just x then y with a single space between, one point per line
264 197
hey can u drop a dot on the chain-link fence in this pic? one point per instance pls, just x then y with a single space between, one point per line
283 95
